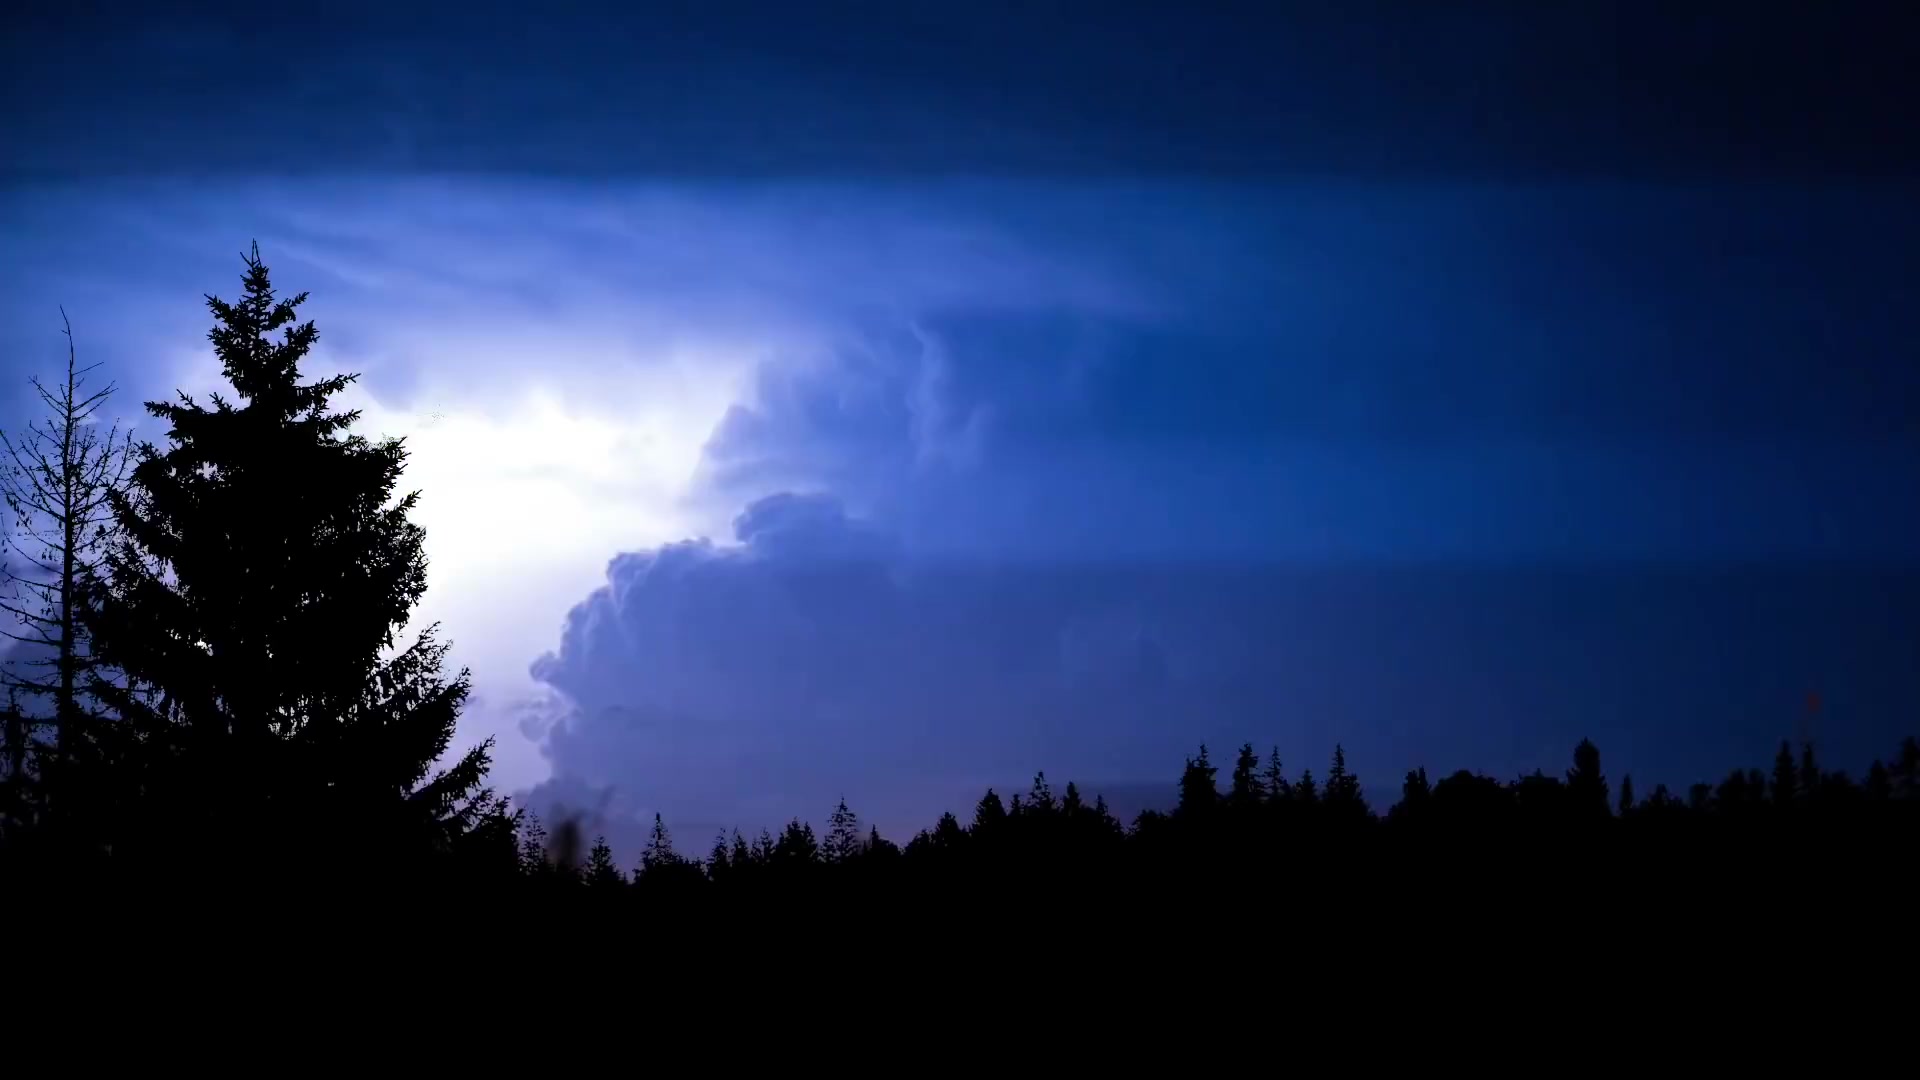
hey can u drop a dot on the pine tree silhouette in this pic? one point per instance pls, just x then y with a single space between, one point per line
658 857
1246 789
1198 795
601 871
1304 791
263 571
842 841
1341 796
1040 801
989 815
1275 781
947 834
796 847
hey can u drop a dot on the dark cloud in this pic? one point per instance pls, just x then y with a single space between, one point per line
1478 373
1391 88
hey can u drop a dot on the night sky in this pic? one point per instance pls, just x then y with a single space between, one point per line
893 400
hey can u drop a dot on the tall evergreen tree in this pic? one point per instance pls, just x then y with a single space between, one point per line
1040 800
264 569
601 871
989 815
1071 805
533 847
1275 781
1103 816
878 849
947 835
1304 791
796 846
1342 791
658 857
1246 789
1198 795
843 835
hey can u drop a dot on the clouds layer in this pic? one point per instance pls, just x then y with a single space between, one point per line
738 683
1449 475
1010 475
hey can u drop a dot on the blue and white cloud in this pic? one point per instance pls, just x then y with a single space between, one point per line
741 497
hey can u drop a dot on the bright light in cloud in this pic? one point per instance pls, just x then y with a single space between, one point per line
559 358
529 481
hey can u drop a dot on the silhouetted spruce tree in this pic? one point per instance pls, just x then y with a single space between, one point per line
796 847
1304 791
1626 794
1198 795
878 850
1341 796
843 835
601 871
742 855
658 857
1275 780
265 565
719 863
1415 796
947 836
1071 806
1246 790
533 847
1040 800
989 816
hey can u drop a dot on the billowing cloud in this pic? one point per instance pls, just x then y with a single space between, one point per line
1333 494
738 683
811 656
1067 474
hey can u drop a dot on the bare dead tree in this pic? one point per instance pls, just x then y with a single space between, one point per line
56 479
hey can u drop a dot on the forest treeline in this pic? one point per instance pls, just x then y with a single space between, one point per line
208 684
1258 819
